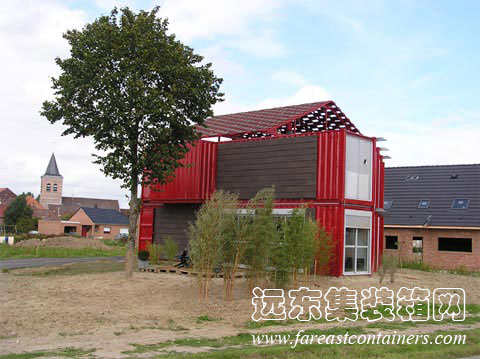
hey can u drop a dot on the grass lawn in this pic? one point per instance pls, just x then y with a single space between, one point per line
12 252
61 353
76 268
244 348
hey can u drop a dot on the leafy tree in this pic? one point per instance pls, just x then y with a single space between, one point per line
139 93
27 224
18 209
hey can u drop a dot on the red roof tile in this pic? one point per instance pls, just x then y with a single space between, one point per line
269 120
260 120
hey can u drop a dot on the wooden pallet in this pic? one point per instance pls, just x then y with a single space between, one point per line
182 271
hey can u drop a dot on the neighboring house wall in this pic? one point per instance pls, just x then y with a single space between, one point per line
431 255
81 217
57 227
99 230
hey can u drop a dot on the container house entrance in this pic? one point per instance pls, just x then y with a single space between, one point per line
357 242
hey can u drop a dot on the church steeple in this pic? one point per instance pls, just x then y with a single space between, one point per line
52 168
51 185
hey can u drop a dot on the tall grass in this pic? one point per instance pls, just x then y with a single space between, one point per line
420 265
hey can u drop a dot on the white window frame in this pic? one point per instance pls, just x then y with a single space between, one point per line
354 212
107 230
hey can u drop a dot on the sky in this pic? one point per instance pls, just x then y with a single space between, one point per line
408 71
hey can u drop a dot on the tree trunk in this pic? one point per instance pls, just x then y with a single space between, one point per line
132 231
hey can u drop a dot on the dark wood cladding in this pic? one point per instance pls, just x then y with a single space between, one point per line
173 219
288 163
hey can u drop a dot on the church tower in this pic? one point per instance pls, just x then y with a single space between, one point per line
52 184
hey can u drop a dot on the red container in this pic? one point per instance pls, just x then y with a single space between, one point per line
195 182
331 165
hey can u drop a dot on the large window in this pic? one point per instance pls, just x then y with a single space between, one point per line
358 168
357 241
391 242
455 244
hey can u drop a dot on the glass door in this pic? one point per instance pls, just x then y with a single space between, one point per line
357 243
356 250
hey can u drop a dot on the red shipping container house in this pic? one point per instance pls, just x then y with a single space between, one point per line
312 153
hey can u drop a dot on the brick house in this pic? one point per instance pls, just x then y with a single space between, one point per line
89 222
433 215
6 197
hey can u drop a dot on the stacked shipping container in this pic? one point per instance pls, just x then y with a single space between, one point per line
337 173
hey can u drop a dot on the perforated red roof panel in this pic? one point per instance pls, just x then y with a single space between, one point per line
271 119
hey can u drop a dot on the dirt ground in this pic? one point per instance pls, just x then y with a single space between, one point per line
108 312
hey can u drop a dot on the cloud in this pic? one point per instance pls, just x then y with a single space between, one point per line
452 139
31 38
289 77
305 94
243 25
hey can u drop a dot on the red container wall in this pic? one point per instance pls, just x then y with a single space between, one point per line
145 232
193 183
331 165
331 218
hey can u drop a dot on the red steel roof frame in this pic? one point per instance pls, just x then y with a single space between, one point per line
272 129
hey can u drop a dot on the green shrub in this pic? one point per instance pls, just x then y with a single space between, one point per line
206 235
143 255
155 251
419 265
27 224
264 236
170 248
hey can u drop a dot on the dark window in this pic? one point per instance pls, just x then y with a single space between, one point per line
387 204
96 228
455 244
95 205
424 203
55 187
49 187
391 242
412 178
460 203
417 245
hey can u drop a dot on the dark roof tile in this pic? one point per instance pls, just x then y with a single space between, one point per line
434 183
105 216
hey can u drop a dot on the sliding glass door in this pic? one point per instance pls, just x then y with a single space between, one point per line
357 242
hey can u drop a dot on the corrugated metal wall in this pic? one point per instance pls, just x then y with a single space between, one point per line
145 232
193 183
331 218
331 165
